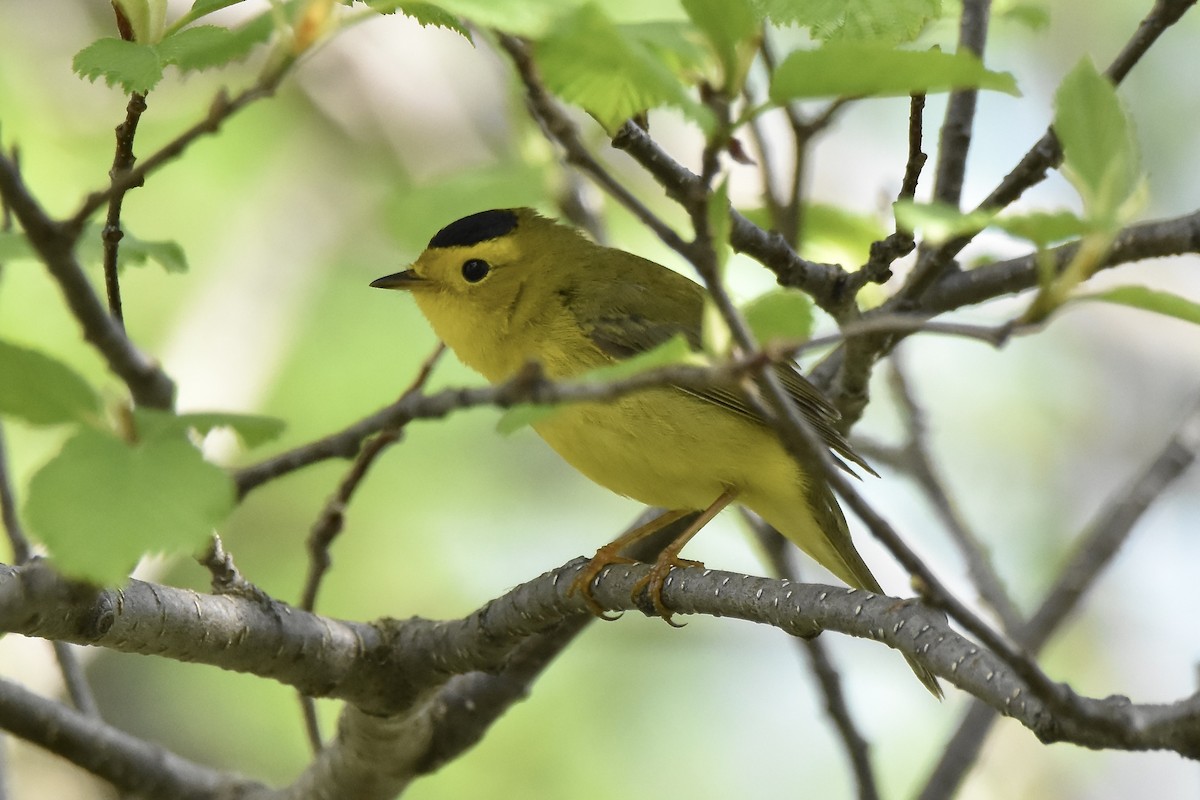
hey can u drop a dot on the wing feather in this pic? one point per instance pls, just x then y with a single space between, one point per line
637 321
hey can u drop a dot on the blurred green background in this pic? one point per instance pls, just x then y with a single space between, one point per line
389 132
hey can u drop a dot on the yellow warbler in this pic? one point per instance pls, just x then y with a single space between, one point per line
505 287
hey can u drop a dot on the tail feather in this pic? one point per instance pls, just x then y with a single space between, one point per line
831 546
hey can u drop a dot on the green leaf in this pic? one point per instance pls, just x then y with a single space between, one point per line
888 21
132 251
202 8
588 60
428 14
836 234
524 18
100 504
201 47
252 429
672 41
15 246
1032 16
719 225
780 314
518 417
939 222
830 233
871 69
168 255
1044 228
732 28
1100 156
673 351
1165 303
135 67
208 49
42 390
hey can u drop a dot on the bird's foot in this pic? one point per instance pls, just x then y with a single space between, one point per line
605 557
651 586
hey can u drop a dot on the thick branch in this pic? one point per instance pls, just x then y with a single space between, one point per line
392 665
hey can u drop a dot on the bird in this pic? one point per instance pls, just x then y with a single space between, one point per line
506 287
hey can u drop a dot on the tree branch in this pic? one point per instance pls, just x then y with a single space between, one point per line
132 765
531 386
954 141
1154 239
123 161
392 665
828 678
1094 550
220 109
55 244
921 467
1047 152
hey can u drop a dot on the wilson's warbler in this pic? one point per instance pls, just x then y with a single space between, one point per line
505 287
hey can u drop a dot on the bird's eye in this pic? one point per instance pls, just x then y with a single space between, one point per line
476 269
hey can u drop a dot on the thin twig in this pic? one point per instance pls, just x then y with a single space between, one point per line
789 216
68 661
1047 152
530 386
21 549
979 563
123 161
559 128
1110 528
954 140
55 243
131 764
829 680
220 109
332 519
898 244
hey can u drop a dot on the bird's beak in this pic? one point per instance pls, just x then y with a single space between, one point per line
401 280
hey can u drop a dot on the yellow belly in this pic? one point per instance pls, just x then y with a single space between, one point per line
665 448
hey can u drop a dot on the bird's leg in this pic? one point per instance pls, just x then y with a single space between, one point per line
669 558
611 554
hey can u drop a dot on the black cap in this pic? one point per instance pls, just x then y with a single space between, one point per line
475 228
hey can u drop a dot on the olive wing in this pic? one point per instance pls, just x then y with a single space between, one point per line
639 316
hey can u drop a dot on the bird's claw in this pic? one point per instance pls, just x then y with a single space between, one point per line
651 586
582 585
